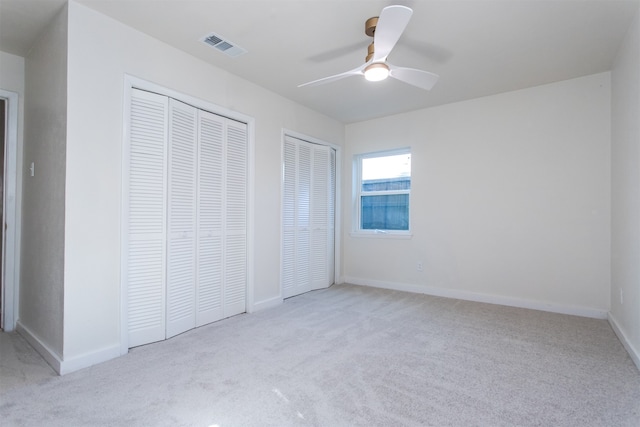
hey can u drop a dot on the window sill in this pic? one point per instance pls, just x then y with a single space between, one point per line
381 234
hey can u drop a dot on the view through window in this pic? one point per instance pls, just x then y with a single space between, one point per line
384 186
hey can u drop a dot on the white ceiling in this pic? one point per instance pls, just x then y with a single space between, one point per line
478 47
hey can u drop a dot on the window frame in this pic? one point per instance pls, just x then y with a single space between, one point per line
357 230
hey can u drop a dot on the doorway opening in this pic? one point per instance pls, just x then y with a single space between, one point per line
8 209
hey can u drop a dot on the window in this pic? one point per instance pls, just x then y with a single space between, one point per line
382 183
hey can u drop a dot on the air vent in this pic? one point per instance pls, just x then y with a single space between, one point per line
225 46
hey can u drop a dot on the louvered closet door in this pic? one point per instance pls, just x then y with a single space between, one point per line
320 216
212 135
185 249
181 245
331 233
303 220
145 220
296 239
235 225
308 210
289 209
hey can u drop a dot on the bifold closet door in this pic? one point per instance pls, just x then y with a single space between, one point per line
235 221
331 232
181 206
145 209
296 236
222 218
212 134
185 250
320 218
308 212
289 172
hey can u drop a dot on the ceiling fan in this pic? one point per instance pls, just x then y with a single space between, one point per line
386 31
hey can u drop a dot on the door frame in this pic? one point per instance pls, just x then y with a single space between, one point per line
10 259
337 238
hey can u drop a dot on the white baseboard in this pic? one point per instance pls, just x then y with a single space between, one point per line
50 356
85 360
633 352
65 366
478 297
268 303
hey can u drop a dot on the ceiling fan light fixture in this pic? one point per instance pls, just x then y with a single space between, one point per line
386 30
376 72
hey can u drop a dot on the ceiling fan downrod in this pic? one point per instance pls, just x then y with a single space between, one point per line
370 30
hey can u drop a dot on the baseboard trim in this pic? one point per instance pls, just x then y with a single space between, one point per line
60 365
85 360
479 297
633 352
268 303
50 356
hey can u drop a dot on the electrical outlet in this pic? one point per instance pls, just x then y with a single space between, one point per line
419 267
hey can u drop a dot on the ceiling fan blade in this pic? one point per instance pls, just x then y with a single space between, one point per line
422 79
354 72
391 24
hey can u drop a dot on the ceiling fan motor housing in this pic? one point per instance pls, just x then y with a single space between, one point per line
370 26
370 30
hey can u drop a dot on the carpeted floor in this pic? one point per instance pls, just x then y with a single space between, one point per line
345 356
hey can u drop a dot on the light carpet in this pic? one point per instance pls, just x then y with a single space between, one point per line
348 356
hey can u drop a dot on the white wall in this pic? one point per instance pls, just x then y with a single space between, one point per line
12 79
42 272
509 201
625 192
12 73
101 52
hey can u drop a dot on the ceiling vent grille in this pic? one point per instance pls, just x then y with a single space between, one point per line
225 46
